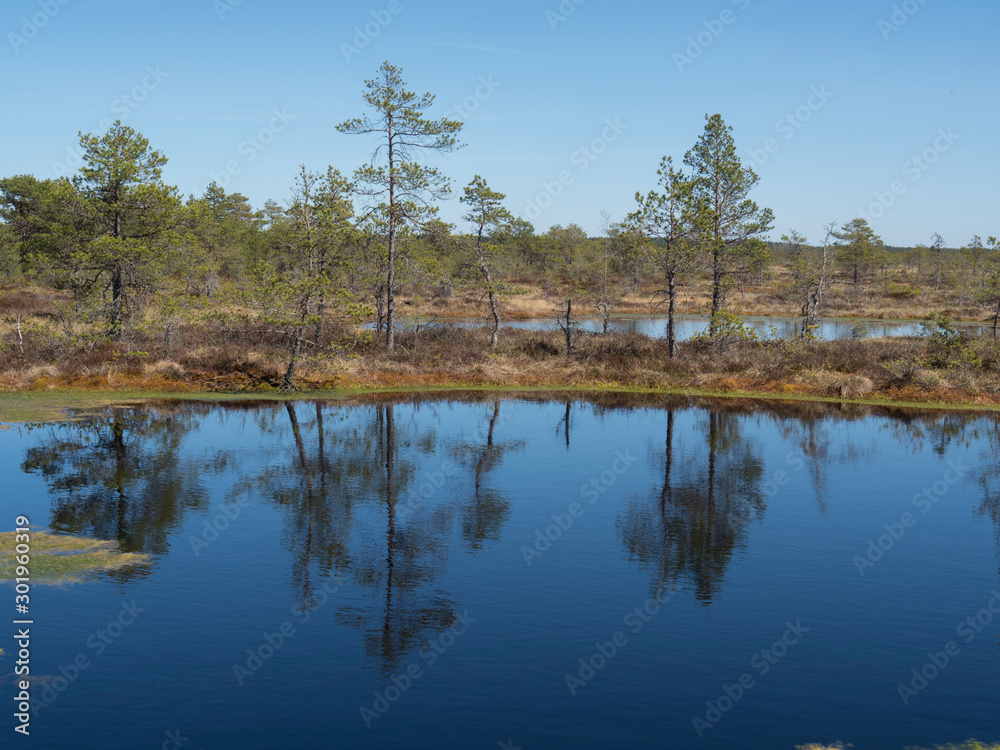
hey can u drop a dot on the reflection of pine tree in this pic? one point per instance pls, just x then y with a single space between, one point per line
120 476
482 518
345 491
989 480
940 431
566 422
317 514
416 551
811 436
343 479
689 527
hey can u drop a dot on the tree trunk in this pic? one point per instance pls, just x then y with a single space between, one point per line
809 309
996 321
288 383
379 308
488 278
390 293
671 310
320 309
814 296
117 286
569 327
117 293
496 321
822 278
390 281
716 290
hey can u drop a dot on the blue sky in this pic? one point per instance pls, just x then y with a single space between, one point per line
896 122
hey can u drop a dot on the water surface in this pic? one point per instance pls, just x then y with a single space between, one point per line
687 326
430 572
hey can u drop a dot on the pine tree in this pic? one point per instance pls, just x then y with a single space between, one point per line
403 188
731 223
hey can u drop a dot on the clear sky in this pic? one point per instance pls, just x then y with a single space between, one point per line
889 103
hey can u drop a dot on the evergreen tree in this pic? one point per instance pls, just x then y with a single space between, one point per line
403 188
732 225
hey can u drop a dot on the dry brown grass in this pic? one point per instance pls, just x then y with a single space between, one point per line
839 384
202 358
768 299
28 302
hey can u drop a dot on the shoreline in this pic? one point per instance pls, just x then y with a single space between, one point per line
943 369
55 405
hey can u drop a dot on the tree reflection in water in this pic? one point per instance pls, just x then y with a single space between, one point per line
121 476
376 501
377 493
482 517
688 527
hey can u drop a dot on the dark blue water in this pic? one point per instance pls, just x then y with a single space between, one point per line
430 572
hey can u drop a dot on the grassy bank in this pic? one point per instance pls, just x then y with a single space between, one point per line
82 365
940 370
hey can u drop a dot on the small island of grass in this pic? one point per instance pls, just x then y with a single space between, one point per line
58 559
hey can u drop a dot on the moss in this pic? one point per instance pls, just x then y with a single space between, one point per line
60 559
